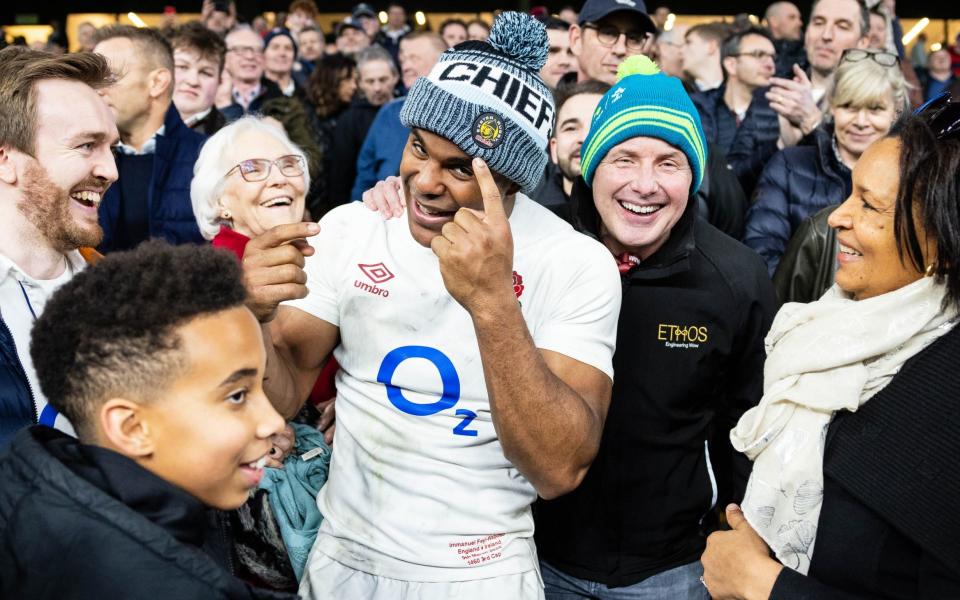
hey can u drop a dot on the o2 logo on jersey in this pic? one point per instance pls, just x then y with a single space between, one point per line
448 376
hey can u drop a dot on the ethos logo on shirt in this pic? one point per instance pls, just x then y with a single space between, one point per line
377 273
682 336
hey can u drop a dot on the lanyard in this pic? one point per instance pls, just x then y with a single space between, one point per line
27 298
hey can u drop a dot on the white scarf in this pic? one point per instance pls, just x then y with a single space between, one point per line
822 357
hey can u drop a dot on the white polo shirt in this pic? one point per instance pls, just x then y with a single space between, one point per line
419 488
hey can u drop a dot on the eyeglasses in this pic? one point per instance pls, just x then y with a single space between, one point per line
246 50
885 59
258 169
758 54
942 114
608 36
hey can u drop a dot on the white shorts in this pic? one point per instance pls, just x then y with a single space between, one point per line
327 579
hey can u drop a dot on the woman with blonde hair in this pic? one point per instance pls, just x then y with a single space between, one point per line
868 95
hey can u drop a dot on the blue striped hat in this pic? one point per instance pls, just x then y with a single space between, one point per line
645 103
489 100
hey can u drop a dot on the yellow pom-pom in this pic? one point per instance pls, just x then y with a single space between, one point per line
637 65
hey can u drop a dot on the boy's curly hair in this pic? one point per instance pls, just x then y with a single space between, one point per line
110 331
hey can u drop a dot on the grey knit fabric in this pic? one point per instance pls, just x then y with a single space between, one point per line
489 100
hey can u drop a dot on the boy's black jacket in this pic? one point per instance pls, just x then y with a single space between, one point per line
80 522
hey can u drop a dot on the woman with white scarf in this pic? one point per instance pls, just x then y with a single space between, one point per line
856 440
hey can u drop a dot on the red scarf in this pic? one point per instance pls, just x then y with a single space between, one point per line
627 262
231 240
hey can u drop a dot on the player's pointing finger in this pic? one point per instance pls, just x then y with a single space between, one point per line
492 200
284 234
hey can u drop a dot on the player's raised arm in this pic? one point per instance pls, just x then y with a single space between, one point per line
548 408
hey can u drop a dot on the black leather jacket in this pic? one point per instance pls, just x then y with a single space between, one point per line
809 264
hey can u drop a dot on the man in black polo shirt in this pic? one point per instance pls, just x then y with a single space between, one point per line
689 358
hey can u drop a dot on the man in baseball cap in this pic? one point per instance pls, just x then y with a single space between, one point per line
607 32
351 37
475 337
364 14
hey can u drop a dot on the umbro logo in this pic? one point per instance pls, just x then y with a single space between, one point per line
378 274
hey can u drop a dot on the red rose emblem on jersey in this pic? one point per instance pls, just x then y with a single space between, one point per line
517 284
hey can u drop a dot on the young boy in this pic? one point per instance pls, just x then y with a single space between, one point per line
198 57
153 357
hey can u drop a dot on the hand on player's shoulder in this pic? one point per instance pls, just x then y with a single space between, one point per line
386 198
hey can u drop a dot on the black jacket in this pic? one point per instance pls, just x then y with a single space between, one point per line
325 129
18 407
549 192
170 212
84 522
889 527
688 363
721 196
796 183
789 53
748 145
809 264
352 127
210 124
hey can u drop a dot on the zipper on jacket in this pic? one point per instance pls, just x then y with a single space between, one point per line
33 398
713 480
223 523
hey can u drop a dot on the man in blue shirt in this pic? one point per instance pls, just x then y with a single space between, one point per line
383 147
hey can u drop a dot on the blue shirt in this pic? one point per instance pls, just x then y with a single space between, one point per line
382 148
936 87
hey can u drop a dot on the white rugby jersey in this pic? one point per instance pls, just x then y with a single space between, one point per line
419 489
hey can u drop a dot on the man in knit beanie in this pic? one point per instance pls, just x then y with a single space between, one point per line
689 359
475 338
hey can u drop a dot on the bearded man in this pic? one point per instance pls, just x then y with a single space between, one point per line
55 166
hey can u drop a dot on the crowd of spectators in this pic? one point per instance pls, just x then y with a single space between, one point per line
804 160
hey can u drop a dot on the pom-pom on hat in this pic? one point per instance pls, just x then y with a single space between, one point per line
488 99
645 103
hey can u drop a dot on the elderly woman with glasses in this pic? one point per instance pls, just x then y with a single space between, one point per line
855 442
248 178
868 95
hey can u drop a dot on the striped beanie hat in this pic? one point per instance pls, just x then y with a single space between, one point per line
645 103
488 99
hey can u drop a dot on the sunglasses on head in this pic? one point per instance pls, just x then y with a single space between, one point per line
942 115
886 59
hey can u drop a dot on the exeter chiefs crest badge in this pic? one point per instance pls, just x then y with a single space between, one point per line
488 130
